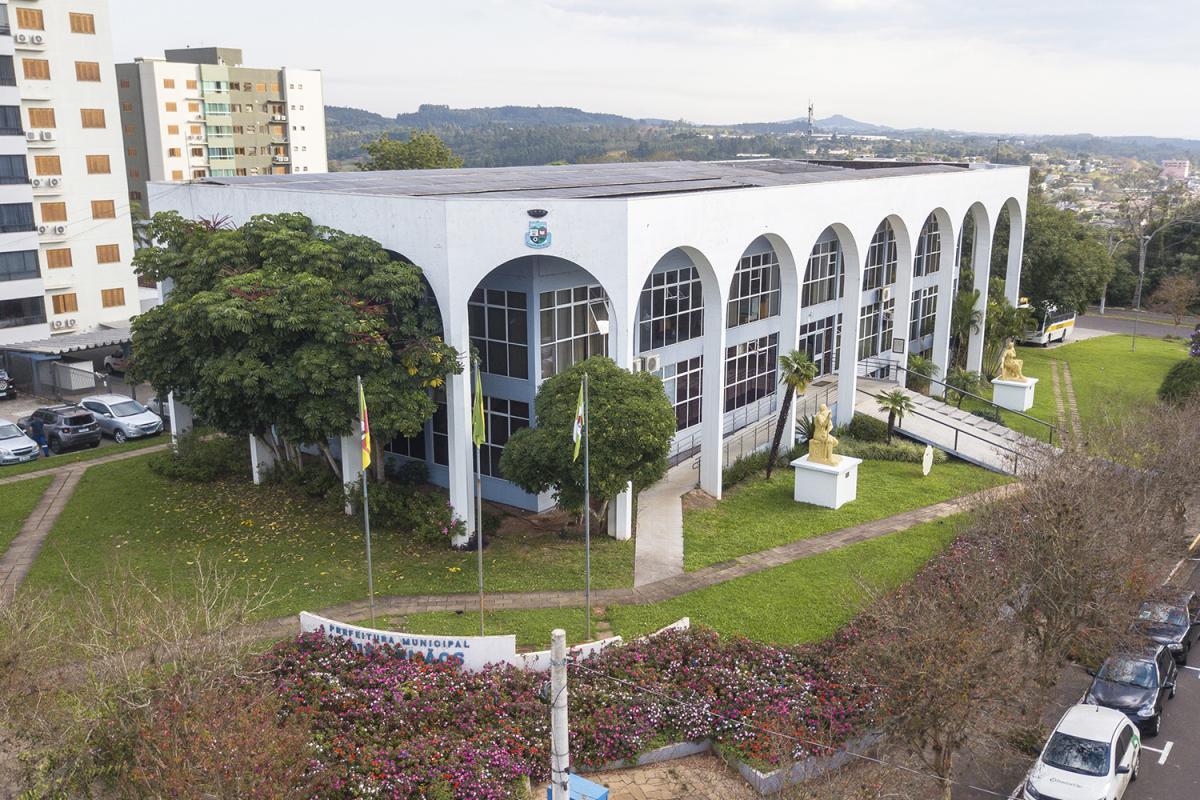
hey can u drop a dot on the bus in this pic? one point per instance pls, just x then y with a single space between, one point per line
1049 325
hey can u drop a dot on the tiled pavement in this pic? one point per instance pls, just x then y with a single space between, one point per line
695 777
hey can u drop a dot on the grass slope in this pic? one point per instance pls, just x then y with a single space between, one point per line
312 555
762 514
17 501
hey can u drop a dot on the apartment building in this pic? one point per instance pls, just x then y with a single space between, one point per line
63 213
198 113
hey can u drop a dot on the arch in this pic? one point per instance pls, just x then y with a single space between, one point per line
756 288
976 229
825 270
670 305
887 250
933 247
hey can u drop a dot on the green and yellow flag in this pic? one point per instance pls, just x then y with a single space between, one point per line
366 427
577 429
478 432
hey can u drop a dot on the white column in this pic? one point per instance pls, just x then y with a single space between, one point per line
350 447
853 264
945 304
458 412
789 336
902 295
712 401
180 417
1016 249
981 265
622 328
262 458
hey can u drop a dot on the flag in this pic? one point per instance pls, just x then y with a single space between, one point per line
478 431
366 427
577 430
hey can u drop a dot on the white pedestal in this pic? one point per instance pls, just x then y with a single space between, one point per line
1013 395
823 485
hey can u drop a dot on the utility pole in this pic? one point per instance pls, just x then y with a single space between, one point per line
560 742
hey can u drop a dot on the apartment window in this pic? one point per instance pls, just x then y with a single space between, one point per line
13 169
671 309
82 23
90 71
111 298
168 83
59 257
238 130
881 258
504 418
819 340
240 172
92 117
172 130
8 75
923 312
131 152
275 88
176 174
260 87
195 130
36 69
190 84
124 84
22 311
65 303
199 173
127 107
10 120
173 152
104 209
19 265
47 165
194 107
30 19
823 278
135 173
683 381
171 106
571 320
929 249
136 196
98 165
42 118
198 152
128 129
499 325
54 212
108 254
755 293
750 371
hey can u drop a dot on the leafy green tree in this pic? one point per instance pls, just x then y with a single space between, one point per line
422 150
1065 264
965 320
268 325
1004 321
896 404
796 371
632 425
1182 382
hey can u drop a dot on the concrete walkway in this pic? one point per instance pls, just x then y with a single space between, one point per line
16 561
82 465
658 546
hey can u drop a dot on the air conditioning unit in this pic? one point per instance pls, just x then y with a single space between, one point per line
43 229
885 294
31 136
60 230
21 38
638 364
36 183
47 136
37 38
57 324
54 182
650 363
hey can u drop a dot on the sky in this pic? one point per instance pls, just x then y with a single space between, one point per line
1004 66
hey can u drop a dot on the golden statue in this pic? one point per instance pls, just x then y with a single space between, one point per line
820 446
1011 366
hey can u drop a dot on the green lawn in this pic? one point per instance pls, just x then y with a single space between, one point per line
17 500
87 454
762 514
313 556
804 601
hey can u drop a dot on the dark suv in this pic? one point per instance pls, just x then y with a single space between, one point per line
8 389
65 427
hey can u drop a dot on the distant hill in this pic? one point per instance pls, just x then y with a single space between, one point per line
442 116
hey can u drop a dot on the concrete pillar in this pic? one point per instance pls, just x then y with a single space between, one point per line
180 416
789 330
1016 249
712 401
351 454
461 456
945 302
981 264
620 515
262 459
853 264
902 295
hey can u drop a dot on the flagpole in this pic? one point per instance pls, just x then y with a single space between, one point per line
587 516
478 435
367 521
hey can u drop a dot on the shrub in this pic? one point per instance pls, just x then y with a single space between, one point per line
313 480
990 413
865 428
1181 383
405 508
881 451
204 460
413 473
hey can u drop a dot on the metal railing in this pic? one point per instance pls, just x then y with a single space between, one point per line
886 367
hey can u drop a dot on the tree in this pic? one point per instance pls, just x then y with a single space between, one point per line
796 371
1004 322
965 321
896 403
960 381
268 325
631 427
921 372
422 150
1065 264
1175 295
1182 382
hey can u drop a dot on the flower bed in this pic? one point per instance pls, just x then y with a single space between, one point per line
395 727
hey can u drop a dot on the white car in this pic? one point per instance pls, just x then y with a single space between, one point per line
15 446
1092 755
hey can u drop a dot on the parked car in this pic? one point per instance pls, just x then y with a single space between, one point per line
122 417
1169 623
1136 684
8 389
1091 755
117 362
16 447
65 427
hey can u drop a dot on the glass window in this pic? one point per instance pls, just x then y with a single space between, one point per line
1083 756
820 341
22 311
504 418
8 74
13 169
869 319
750 371
16 217
823 277
929 249
10 119
683 381
755 292
923 311
18 265
499 331
411 446
441 429
571 322
881 258
671 309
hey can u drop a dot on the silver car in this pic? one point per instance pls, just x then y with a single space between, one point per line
122 417
16 447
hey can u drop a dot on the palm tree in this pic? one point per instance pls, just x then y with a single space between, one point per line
921 370
966 319
960 381
896 403
796 371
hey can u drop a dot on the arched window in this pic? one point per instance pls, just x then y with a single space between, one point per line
929 249
755 293
881 258
823 277
671 309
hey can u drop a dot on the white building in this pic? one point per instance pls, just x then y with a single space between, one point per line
675 267
56 69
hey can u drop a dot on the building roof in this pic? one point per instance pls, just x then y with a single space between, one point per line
107 335
587 180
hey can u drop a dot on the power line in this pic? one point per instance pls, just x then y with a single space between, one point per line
797 739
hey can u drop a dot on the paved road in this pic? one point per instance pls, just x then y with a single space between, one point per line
1125 322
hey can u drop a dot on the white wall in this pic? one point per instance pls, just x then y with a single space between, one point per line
305 99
